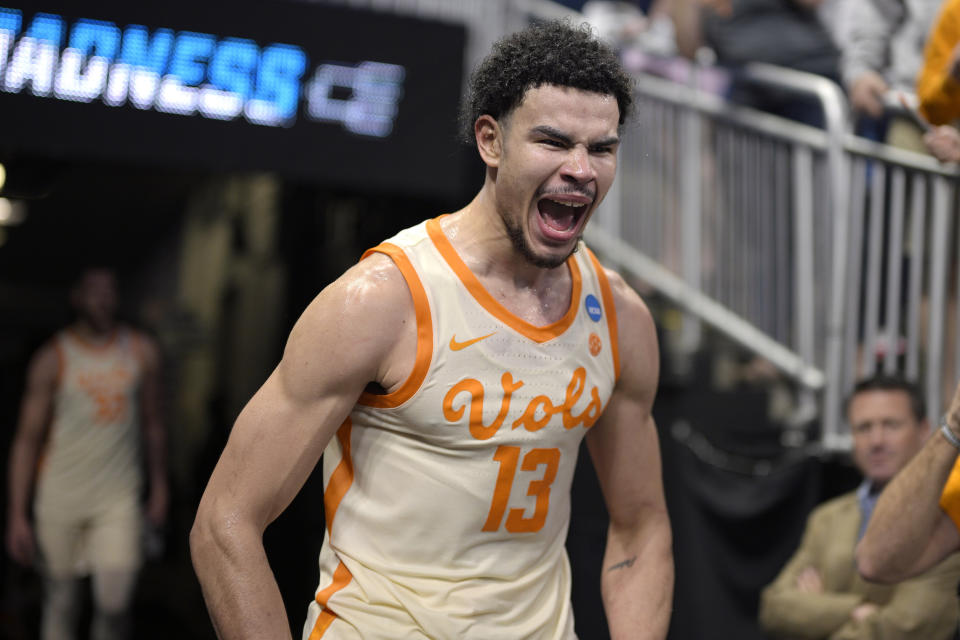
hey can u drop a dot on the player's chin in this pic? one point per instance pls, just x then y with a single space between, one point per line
552 255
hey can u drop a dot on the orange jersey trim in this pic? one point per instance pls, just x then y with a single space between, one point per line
606 292
89 344
341 578
342 477
340 481
421 307
41 463
488 302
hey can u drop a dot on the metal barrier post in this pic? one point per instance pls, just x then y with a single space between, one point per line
836 121
939 237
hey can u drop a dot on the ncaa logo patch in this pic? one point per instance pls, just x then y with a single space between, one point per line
593 308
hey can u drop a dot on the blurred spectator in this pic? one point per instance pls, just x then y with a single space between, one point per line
819 594
633 24
882 46
786 33
90 390
938 86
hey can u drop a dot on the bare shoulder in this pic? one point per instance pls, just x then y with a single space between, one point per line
44 366
368 299
147 347
635 325
630 306
358 322
636 335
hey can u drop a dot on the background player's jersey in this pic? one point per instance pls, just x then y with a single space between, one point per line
448 500
91 457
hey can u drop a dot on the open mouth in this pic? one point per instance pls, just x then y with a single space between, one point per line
560 217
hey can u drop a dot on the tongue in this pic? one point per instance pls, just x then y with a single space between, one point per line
557 216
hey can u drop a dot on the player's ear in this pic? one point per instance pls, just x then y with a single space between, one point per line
489 135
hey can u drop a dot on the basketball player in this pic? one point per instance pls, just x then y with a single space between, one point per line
448 379
90 392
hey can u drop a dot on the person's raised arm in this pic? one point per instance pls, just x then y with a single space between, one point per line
637 578
908 531
154 432
347 337
35 412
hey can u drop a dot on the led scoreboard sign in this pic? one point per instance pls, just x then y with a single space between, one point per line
190 73
349 97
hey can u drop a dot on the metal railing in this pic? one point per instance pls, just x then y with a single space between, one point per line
810 247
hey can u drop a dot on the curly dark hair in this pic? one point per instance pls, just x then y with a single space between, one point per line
554 52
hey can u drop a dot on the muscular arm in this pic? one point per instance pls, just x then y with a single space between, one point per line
154 432
637 578
351 334
35 412
908 531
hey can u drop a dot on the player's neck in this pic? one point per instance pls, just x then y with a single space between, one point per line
93 334
534 294
479 235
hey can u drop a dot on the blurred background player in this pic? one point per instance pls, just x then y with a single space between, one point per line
91 391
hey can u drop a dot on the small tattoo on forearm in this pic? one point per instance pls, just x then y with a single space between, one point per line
625 564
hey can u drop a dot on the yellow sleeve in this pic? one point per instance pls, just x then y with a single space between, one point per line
937 91
950 498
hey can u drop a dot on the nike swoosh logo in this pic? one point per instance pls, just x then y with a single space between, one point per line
456 346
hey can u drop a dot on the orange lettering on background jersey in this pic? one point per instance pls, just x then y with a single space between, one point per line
477 429
108 391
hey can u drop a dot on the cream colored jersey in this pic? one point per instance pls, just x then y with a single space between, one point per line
448 501
91 459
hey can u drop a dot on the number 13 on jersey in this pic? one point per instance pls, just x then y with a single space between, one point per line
508 457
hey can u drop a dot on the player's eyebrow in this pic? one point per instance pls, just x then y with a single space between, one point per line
563 137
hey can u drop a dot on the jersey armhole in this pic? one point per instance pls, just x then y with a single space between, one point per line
421 305
606 292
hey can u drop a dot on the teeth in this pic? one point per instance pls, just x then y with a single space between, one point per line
575 205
